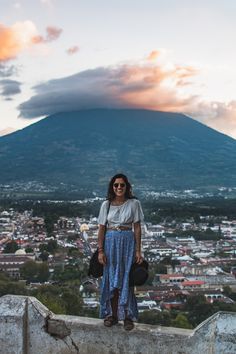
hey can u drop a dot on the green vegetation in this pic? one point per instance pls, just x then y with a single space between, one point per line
8 286
165 318
35 272
155 211
52 211
199 309
196 310
155 317
159 210
64 299
69 272
198 235
181 321
11 247
49 247
29 250
60 299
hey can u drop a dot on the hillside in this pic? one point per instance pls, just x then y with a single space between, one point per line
156 150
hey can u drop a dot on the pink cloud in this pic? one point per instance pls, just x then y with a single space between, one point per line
153 55
153 87
217 115
52 34
15 39
21 36
72 50
133 86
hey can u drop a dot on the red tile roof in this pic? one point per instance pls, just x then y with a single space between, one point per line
168 276
192 282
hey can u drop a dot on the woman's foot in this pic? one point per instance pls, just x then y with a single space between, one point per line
128 324
110 321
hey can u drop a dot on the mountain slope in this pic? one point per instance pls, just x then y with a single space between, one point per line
156 149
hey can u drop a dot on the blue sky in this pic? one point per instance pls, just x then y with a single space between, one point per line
171 55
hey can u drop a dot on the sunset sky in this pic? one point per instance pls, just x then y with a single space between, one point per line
169 55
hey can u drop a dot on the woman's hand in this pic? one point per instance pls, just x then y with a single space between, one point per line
138 257
102 258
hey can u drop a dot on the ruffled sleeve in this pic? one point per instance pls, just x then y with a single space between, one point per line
138 212
102 217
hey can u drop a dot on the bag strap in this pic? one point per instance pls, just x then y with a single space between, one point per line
108 208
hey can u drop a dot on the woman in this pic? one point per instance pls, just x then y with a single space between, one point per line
119 245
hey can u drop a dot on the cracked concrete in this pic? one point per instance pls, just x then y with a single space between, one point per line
57 328
28 327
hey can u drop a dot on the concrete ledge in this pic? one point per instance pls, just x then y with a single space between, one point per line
13 324
28 327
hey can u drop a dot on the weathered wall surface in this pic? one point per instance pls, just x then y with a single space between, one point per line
12 325
28 327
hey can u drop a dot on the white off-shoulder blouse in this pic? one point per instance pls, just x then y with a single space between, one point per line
121 215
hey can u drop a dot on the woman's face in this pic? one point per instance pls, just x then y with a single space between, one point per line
119 187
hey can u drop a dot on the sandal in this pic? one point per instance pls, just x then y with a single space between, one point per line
110 321
128 324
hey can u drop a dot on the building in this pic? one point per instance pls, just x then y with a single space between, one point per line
11 263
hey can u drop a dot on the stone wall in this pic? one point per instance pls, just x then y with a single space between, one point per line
28 327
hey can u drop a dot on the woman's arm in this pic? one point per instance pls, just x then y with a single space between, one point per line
101 254
137 234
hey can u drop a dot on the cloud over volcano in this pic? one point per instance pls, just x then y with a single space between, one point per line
150 85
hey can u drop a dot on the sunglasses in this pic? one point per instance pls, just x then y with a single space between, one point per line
116 185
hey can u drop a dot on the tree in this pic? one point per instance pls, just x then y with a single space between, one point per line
11 247
49 223
29 250
43 247
194 301
70 272
198 309
227 291
155 317
49 247
166 260
72 237
54 304
73 303
63 300
34 272
181 321
160 268
52 246
29 271
43 272
75 253
197 219
8 286
4 276
174 262
44 256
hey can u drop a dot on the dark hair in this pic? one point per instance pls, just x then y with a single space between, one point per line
128 192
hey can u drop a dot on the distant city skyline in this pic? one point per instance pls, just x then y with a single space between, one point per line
177 56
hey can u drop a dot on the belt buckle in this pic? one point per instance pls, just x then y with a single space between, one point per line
118 229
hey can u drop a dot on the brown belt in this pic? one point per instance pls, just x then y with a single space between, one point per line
119 228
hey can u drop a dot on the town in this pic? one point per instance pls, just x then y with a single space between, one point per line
192 263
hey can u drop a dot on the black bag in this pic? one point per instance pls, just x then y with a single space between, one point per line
95 268
138 274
